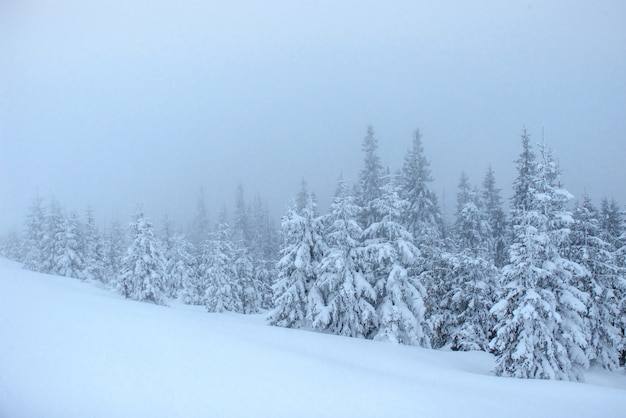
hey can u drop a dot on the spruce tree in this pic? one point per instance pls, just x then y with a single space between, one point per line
296 293
496 218
392 255
370 179
36 236
223 290
143 275
343 280
69 249
540 330
602 283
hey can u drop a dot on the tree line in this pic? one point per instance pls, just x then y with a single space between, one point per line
542 287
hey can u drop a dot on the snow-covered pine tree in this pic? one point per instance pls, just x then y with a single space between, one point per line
181 265
35 240
200 226
296 295
472 230
223 291
540 330
115 248
472 276
94 250
496 218
392 256
143 275
55 228
370 183
11 246
602 283
423 221
349 309
263 251
69 249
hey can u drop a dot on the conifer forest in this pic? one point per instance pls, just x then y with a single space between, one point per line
538 280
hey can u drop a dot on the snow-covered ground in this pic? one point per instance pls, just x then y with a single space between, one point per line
72 349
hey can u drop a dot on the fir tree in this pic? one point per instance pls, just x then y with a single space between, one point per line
392 255
370 179
496 218
36 236
296 295
143 274
223 290
349 308
540 330
181 265
602 283
68 249
94 250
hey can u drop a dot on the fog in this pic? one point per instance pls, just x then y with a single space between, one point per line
114 103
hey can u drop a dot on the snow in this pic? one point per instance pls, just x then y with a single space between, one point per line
71 349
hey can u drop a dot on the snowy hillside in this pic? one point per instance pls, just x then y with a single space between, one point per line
71 349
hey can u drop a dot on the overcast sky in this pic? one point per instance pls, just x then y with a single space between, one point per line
117 102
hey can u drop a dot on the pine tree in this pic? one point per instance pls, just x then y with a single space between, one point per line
349 308
200 226
422 219
296 293
496 218
540 330
181 265
223 290
69 258
369 179
36 236
392 255
55 227
472 229
143 274
601 283
263 251
115 248
94 251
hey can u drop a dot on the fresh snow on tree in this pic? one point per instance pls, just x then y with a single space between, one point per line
392 256
540 329
343 279
143 274
297 297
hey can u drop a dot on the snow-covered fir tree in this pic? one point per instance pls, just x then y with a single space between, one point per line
296 292
392 256
496 218
472 277
369 185
55 228
181 265
200 226
422 219
69 249
11 246
602 282
94 249
143 275
36 236
263 251
223 290
115 247
472 229
343 278
540 329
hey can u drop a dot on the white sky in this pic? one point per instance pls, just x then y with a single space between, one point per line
116 102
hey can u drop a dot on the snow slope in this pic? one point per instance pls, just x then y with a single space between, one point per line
71 349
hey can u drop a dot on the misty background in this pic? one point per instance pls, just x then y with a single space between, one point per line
116 103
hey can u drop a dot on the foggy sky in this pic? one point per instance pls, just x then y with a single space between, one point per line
118 102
